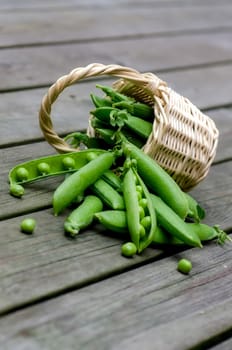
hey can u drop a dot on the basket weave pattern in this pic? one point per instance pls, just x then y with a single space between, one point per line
183 140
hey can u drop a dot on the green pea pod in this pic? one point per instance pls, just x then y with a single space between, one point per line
196 212
78 182
158 180
140 127
113 94
137 109
141 236
104 113
107 194
99 101
113 180
108 135
41 168
97 123
173 224
207 233
163 237
76 139
83 215
113 220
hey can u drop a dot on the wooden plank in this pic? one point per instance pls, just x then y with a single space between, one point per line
70 112
19 112
43 65
75 24
47 263
223 120
151 306
54 4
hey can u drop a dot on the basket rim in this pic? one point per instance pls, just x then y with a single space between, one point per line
149 82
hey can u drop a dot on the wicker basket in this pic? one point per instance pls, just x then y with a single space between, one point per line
183 140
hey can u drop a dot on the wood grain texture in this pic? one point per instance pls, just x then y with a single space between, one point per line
82 23
166 309
57 293
54 4
43 65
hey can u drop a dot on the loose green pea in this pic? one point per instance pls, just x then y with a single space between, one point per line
16 190
128 249
28 225
22 174
68 163
43 168
184 266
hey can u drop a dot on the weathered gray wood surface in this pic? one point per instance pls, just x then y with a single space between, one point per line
153 304
57 293
56 26
39 68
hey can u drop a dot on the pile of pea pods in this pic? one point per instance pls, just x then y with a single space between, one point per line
113 182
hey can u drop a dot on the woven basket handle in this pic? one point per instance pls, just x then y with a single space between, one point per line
149 82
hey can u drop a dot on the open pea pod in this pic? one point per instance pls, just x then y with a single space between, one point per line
43 167
140 214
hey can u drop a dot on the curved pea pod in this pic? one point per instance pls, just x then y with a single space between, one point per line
41 168
78 182
107 194
113 180
97 123
108 135
83 215
196 212
104 114
113 220
136 109
140 127
113 94
207 233
163 237
158 180
100 102
173 224
203 231
134 190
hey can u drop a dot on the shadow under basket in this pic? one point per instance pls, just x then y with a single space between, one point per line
183 140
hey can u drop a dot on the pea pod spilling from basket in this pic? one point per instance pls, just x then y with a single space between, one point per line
142 152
